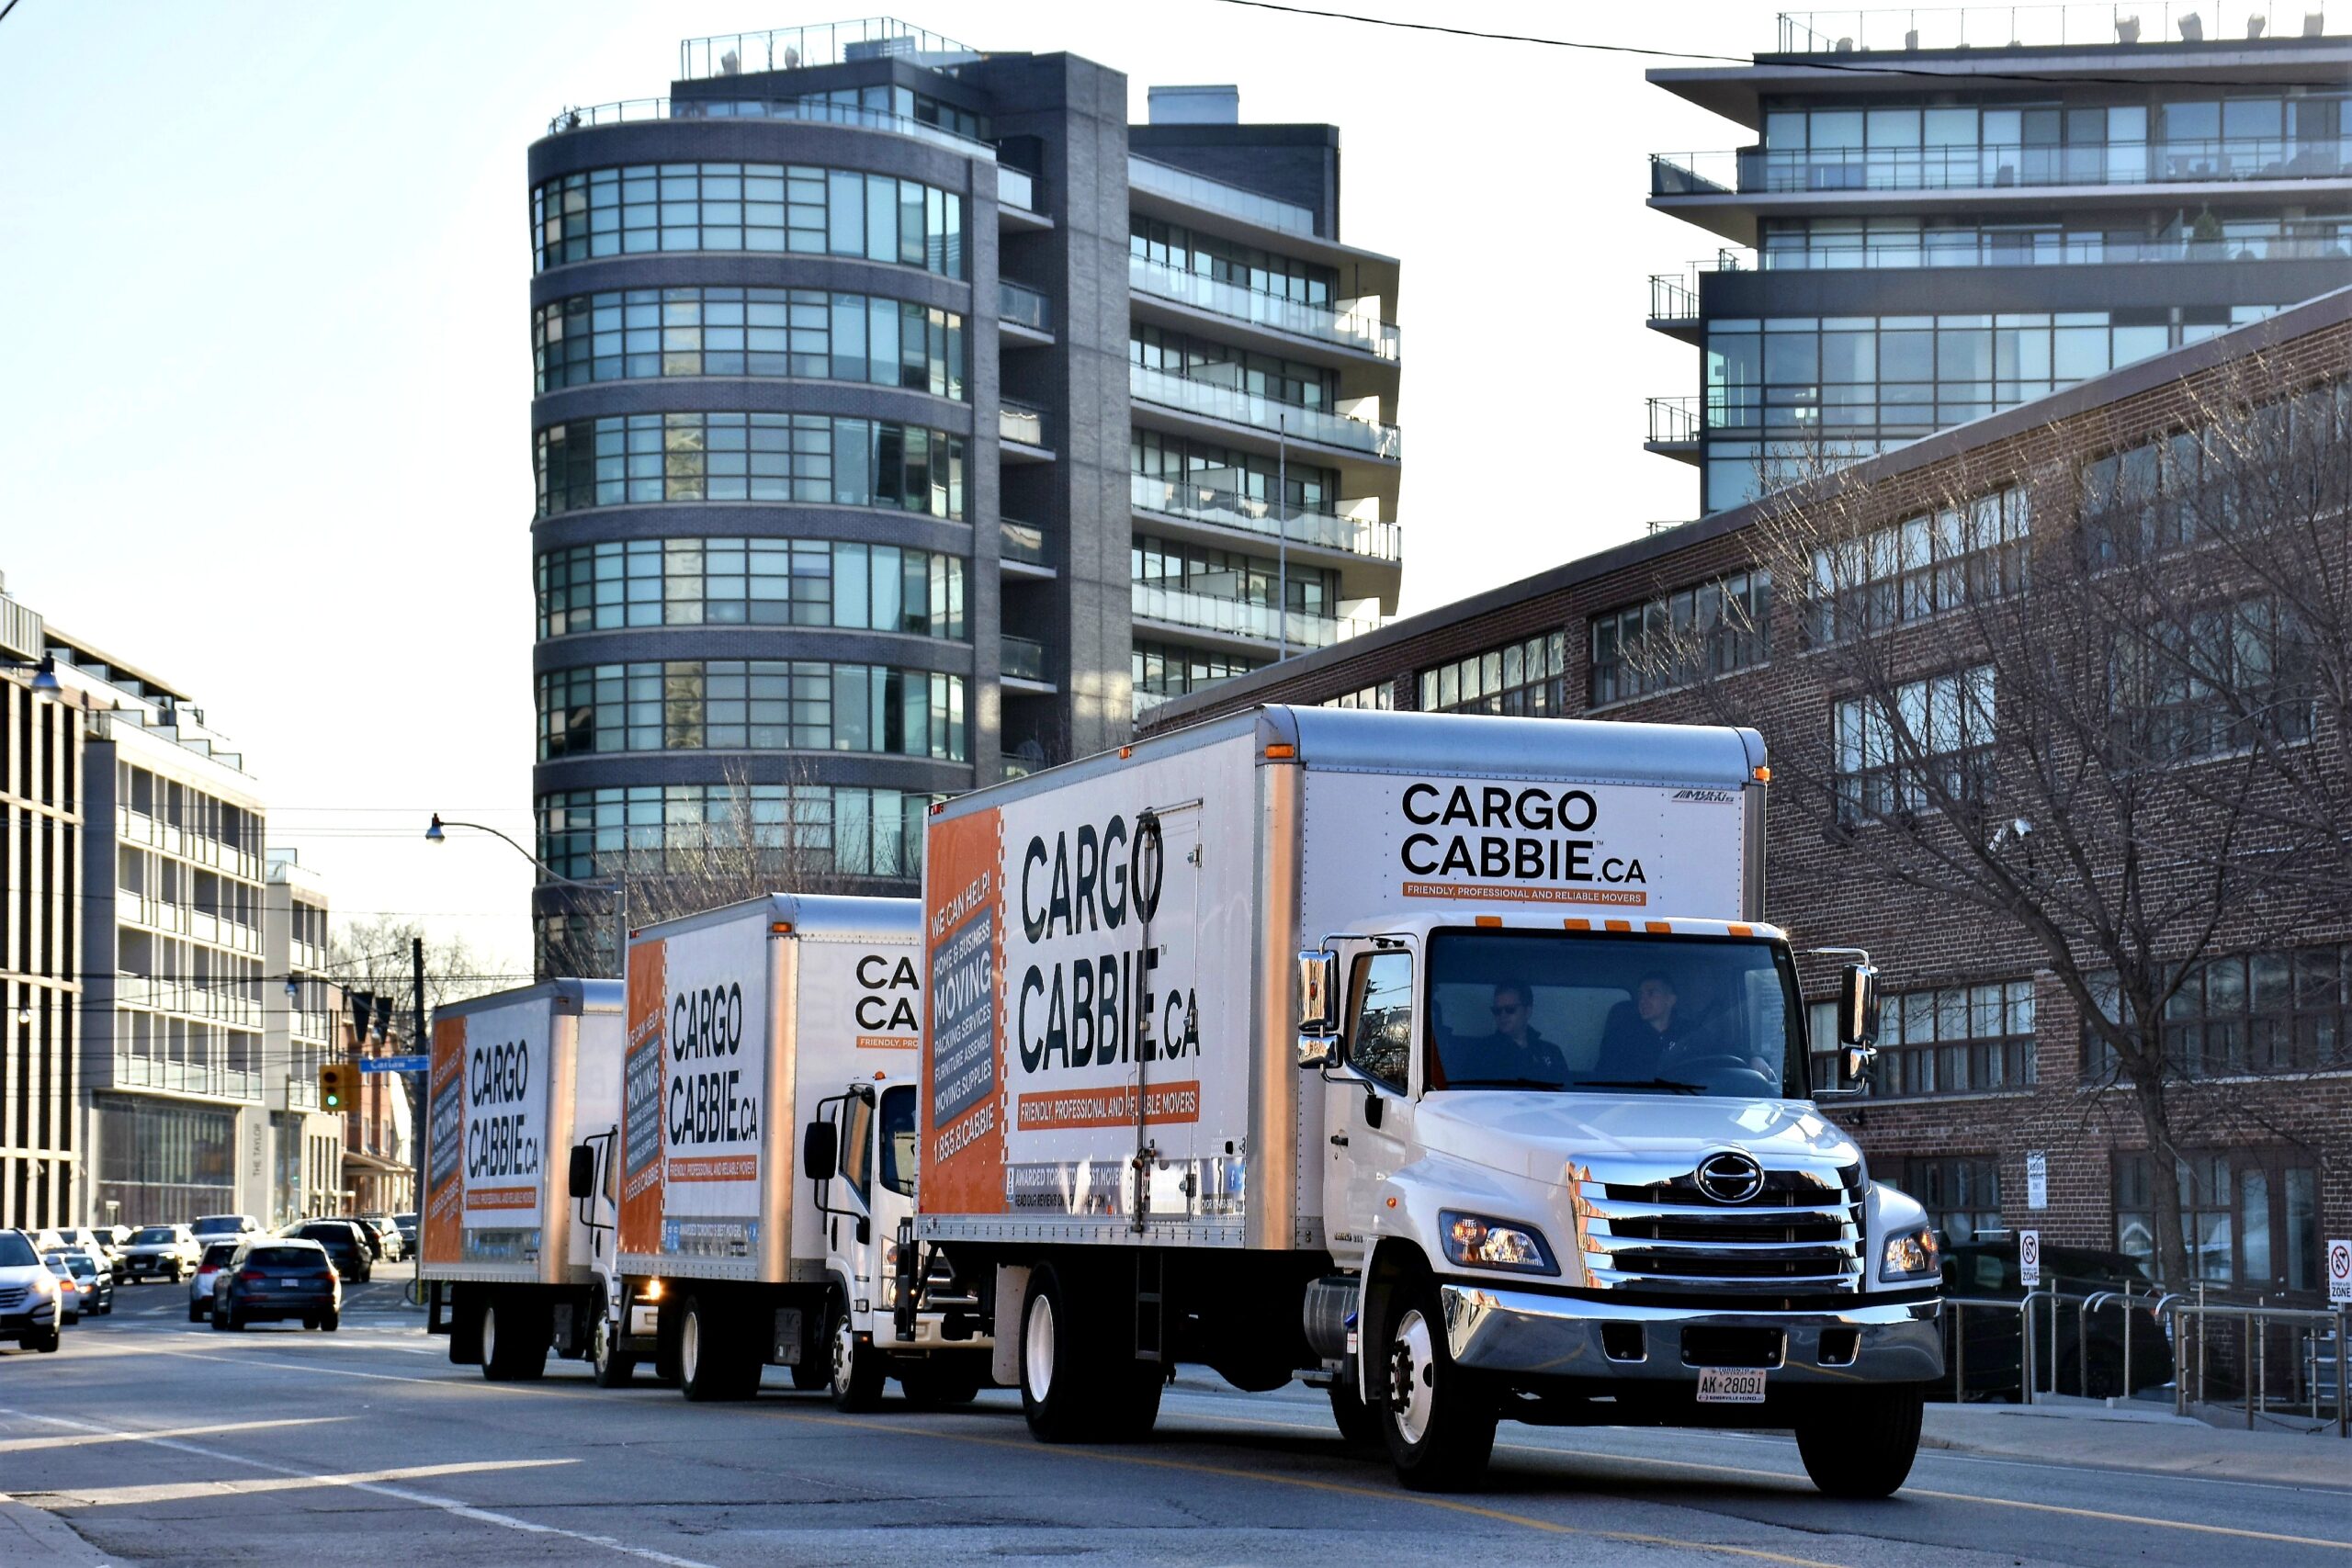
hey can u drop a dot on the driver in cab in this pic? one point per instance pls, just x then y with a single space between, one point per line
1516 1053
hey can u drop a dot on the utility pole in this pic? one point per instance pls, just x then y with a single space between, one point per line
411 1082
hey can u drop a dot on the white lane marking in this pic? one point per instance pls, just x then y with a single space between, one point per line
181 1491
449 1506
21 1445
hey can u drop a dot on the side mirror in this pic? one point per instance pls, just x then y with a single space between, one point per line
1858 1005
1856 1065
1318 991
820 1151
580 1177
1319 1051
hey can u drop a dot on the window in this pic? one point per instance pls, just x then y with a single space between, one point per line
810 460
1229 574
2224 679
856 1125
743 582
1961 1193
2278 1011
1523 679
1933 743
1227 260
2249 1217
1292 381
1710 629
848 830
803 332
745 207
1381 697
1167 671
751 705
1381 1045
1953 1040
1920 567
1196 475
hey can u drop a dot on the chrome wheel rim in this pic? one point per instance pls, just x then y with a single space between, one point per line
1037 1348
1412 1382
844 1354
488 1335
690 1346
603 1345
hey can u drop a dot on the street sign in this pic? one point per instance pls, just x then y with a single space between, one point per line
2030 1258
395 1063
2339 1272
2037 1179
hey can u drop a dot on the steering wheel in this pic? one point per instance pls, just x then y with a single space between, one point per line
1712 1062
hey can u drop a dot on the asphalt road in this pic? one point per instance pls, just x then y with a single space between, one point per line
156 1441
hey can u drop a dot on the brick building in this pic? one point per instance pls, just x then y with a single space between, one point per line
1986 1056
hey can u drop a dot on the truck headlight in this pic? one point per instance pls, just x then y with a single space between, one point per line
1475 1241
1910 1255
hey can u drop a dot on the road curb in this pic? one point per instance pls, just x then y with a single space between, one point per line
35 1535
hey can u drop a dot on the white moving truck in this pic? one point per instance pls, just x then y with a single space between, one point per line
507 1261
778 1025
1443 1060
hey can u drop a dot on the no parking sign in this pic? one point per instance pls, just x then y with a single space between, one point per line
2339 1272
2030 1258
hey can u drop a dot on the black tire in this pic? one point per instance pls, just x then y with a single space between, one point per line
711 1361
47 1344
330 1320
1358 1428
1437 1423
854 1369
1079 1383
1861 1445
219 1319
236 1321
514 1339
195 1313
613 1368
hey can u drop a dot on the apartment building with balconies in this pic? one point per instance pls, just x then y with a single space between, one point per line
1946 213
299 1007
905 418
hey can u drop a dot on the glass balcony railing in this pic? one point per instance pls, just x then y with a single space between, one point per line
1269 414
2048 25
1199 190
1210 611
1017 423
1025 307
2066 250
1363 536
1022 658
824 43
1674 421
1337 322
1765 171
815 110
1016 187
1024 542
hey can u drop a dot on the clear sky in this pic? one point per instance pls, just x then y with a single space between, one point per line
264 360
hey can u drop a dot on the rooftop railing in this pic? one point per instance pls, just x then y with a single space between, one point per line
825 43
2049 27
1343 322
1364 537
1269 415
1240 617
1199 190
1981 166
818 111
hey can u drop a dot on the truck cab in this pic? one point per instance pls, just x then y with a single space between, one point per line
1579 1163
897 1308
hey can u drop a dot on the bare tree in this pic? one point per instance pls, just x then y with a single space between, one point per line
377 955
2096 706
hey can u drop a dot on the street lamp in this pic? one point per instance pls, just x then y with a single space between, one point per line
44 669
615 885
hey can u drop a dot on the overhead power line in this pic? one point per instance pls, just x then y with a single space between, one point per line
1811 62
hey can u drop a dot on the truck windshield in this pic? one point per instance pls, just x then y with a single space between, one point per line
1613 1014
897 1136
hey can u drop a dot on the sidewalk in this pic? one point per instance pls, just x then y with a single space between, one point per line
2137 1436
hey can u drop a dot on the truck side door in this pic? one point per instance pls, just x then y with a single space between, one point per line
851 1196
1367 1111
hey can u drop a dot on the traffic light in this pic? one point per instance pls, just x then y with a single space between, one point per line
338 1085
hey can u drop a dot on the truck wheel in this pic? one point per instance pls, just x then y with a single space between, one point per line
1862 1445
1358 1429
1439 1426
710 1357
514 1340
857 1368
613 1368
1078 1384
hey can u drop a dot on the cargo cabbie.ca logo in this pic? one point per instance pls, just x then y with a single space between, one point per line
1517 843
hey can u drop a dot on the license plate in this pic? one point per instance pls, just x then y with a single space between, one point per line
1731 1385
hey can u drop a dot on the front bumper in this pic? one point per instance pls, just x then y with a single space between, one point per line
40 1314
1538 1335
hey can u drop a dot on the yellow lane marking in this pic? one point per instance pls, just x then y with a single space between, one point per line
182 1491
24 1444
2135 1519
1342 1488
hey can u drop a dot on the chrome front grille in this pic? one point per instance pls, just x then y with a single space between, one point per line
12 1297
1802 1235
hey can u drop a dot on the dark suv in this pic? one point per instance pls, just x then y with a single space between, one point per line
274 1278
2090 1350
344 1241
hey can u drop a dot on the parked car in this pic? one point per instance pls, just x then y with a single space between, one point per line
199 1286
29 1295
215 1228
69 1288
344 1243
388 1237
161 1252
271 1278
406 1225
93 1277
2090 1356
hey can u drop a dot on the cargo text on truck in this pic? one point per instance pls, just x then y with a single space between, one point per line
1446 1062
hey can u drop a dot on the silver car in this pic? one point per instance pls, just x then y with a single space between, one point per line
162 1252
